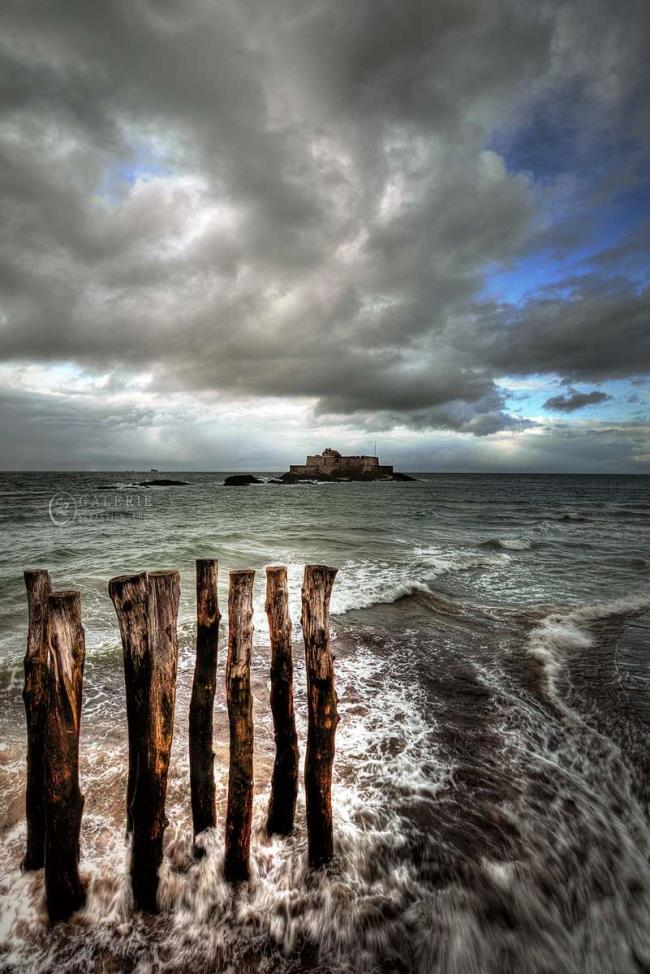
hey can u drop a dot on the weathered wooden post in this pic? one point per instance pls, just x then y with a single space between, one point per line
147 608
204 811
150 793
64 802
284 783
240 716
130 595
37 582
323 716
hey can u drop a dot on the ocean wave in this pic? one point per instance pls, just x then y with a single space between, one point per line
561 633
634 514
508 544
638 562
362 584
368 583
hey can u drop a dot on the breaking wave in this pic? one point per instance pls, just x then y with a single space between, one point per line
508 544
562 633
368 583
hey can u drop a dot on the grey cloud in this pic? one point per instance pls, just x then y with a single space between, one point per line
595 449
575 400
71 431
321 207
479 416
597 331
48 430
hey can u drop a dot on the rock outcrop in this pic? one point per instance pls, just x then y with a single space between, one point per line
163 482
241 480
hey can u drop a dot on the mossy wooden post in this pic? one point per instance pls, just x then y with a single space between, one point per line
130 594
147 610
204 811
37 582
284 783
240 716
64 802
323 716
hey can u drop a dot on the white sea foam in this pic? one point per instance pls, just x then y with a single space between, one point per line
562 633
360 910
378 907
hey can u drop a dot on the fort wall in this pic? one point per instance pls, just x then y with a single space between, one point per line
332 464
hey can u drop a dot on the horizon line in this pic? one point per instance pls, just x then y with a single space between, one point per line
444 473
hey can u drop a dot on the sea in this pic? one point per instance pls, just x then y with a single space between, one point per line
491 636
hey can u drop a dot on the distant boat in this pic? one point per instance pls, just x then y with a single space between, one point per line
153 470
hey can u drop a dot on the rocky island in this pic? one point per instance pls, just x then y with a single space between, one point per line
326 467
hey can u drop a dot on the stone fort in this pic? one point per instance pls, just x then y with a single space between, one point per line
331 463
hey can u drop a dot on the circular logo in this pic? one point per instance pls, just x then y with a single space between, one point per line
63 508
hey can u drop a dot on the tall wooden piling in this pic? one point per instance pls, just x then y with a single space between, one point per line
130 595
284 783
39 588
323 716
63 800
240 716
149 821
147 609
204 812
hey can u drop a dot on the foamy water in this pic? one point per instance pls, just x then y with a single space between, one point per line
490 793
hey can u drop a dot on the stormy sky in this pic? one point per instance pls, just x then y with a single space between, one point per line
236 232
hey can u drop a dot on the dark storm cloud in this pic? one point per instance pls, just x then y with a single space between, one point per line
320 205
480 413
589 328
575 400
